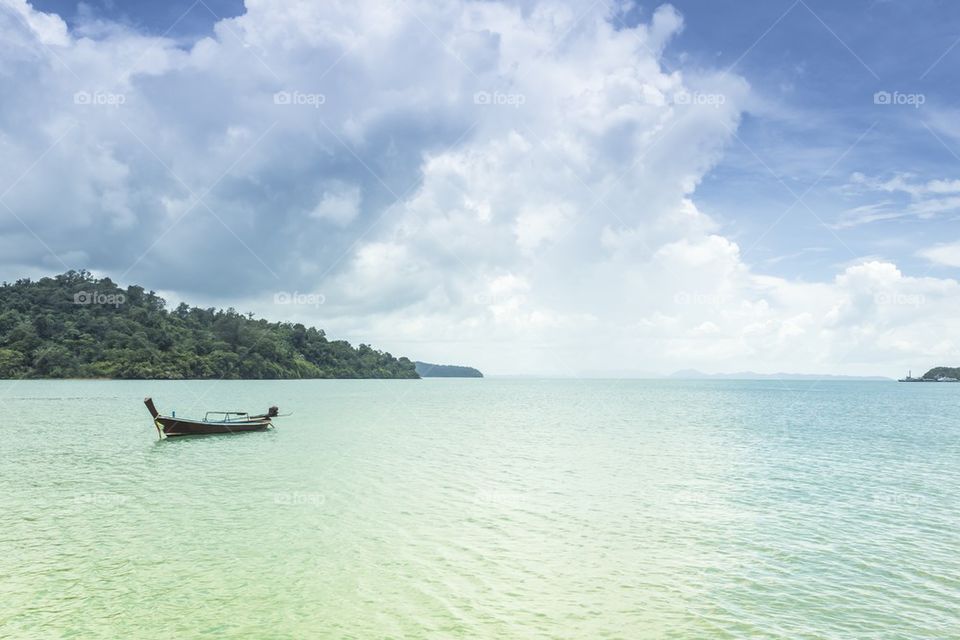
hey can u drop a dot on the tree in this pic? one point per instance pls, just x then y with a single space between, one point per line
53 327
11 363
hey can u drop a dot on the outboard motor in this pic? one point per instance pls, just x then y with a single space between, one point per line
273 412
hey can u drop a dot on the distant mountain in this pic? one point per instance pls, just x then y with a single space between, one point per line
427 370
693 374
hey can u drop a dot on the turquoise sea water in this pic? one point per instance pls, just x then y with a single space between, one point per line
483 509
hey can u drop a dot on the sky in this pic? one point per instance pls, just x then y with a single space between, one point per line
535 187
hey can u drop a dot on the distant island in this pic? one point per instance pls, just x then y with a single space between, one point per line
428 370
693 374
77 326
937 374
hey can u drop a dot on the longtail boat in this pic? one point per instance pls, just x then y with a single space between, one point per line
213 422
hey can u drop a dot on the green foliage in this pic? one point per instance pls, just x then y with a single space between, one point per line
942 372
427 370
77 326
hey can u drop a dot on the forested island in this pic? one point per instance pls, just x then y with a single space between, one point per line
77 326
428 370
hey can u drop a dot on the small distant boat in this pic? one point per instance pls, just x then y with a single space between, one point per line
222 422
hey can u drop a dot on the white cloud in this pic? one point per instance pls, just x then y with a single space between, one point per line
537 224
510 187
925 199
340 204
48 29
946 254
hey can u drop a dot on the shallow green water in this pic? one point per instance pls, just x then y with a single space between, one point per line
483 509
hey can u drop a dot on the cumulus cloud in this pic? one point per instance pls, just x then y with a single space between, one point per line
506 185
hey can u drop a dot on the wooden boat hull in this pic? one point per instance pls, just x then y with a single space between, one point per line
172 426
181 427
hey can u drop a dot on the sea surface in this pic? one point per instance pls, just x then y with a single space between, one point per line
495 508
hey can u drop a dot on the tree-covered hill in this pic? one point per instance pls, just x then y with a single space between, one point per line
942 372
77 326
428 370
